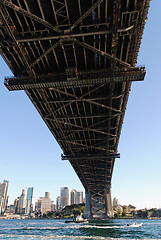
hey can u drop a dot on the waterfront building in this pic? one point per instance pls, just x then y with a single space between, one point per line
116 202
73 196
11 209
3 196
19 208
36 207
44 203
79 197
25 203
58 204
64 197
1 201
24 197
22 202
53 206
29 200
7 202
16 202
33 202
47 195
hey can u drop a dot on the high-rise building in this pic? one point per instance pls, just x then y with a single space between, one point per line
24 197
16 205
47 195
44 203
33 203
36 206
58 204
19 208
73 196
1 202
29 200
79 197
116 202
53 206
22 202
64 197
3 196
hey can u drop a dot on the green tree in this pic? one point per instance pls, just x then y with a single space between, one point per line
125 209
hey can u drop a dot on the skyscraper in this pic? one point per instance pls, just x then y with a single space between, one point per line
73 196
58 204
116 202
3 196
33 202
22 201
53 206
79 197
16 202
29 200
64 196
44 203
24 197
47 195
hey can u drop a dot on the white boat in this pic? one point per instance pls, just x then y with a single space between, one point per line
79 219
135 225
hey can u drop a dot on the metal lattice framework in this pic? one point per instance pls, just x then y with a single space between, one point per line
76 61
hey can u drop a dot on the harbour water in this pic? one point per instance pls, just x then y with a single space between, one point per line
28 229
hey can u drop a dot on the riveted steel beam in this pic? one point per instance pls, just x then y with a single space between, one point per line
90 156
79 20
28 14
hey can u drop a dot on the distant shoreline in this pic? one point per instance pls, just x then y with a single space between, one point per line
43 218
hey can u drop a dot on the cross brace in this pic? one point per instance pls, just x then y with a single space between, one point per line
71 35
28 14
84 79
90 156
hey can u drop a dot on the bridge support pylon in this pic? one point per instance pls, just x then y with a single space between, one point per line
98 205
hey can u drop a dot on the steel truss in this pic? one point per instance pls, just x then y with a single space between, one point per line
83 79
61 12
28 14
76 63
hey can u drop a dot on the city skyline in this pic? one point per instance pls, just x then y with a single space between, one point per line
27 194
30 156
26 204
46 204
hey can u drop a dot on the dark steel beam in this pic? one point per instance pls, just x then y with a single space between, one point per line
28 14
79 20
65 36
92 157
94 49
83 117
100 131
19 49
82 140
46 53
51 81
77 126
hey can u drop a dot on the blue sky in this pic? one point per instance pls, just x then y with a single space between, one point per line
30 156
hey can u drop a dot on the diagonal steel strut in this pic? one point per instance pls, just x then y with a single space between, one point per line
28 14
85 14
84 44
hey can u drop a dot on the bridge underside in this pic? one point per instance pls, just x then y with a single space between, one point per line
85 115
76 59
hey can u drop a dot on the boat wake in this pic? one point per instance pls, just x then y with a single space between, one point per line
76 226
54 236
